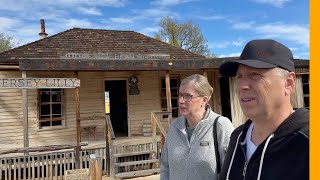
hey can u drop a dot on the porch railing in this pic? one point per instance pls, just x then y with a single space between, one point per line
46 165
156 121
53 163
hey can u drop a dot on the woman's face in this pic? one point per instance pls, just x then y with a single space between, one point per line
189 101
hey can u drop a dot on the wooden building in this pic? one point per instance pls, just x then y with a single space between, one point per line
55 90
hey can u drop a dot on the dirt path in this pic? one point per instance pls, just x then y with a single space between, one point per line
153 177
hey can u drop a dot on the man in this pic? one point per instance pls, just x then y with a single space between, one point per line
274 143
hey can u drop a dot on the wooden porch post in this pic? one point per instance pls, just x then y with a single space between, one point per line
205 73
168 94
216 96
108 140
95 168
25 115
78 148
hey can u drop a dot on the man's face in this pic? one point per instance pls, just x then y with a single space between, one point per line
261 91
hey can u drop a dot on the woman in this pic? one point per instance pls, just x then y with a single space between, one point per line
189 151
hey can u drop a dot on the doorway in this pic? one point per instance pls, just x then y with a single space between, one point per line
116 106
225 97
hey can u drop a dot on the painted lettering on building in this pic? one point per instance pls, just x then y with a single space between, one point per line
116 56
39 83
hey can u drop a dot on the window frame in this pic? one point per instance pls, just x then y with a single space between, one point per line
163 97
51 119
306 95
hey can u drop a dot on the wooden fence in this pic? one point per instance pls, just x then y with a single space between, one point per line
53 165
50 165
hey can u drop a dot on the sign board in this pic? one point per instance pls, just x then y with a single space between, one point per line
39 83
116 56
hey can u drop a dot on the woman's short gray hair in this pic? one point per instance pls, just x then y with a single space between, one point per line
200 84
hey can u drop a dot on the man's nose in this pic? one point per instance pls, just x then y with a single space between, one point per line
243 84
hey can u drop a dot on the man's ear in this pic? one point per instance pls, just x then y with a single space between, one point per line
290 83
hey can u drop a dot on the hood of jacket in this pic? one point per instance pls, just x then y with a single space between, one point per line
297 121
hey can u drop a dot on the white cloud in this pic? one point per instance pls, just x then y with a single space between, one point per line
154 12
90 11
80 23
218 45
20 5
294 48
143 14
242 25
149 31
302 55
213 17
226 44
12 5
292 32
169 2
299 34
7 23
238 43
61 3
230 55
275 3
122 20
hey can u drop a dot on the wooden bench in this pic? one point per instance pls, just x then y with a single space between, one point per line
91 129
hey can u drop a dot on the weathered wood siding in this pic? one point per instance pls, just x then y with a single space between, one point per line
92 110
297 100
140 106
91 107
11 116
11 123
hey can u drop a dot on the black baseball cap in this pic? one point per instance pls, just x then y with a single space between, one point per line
264 53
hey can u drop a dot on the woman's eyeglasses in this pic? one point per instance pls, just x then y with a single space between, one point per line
187 97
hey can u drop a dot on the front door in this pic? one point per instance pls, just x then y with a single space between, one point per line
225 97
116 90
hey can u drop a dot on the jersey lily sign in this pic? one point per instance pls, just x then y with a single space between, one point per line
39 83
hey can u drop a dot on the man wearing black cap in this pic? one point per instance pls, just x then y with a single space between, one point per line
274 143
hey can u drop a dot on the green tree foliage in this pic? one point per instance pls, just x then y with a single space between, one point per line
6 42
185 35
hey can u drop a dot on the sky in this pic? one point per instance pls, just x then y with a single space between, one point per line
227 25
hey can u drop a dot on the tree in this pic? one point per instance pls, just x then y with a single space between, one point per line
184 35
6 42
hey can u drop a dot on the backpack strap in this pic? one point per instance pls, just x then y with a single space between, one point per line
216 145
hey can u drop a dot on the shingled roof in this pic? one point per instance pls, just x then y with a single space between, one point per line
79 40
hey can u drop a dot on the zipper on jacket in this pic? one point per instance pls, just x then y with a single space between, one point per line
245 169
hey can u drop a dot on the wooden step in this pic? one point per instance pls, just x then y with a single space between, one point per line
136 162
139 173
134 153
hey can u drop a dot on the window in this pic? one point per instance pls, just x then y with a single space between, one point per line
50 107
174 87
305 87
